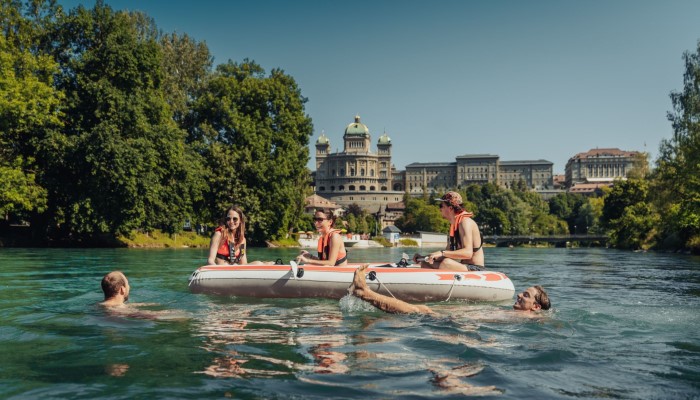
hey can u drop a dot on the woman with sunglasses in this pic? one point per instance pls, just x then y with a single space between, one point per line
331 248
228 241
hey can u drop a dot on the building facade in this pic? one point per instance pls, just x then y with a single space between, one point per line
356 174
536 174
477 169
599 166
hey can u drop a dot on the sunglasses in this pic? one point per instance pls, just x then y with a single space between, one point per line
234 219
317 219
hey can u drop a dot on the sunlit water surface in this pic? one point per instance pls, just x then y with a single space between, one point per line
623 326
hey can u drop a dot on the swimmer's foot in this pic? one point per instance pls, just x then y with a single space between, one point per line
359 285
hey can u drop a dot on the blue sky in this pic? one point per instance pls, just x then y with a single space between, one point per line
520 79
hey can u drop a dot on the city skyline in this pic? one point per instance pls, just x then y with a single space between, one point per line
523 80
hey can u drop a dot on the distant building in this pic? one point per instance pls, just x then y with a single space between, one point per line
429 177
589 189
478 169
391 233
356 174
537 174
316 202
599 166
559 181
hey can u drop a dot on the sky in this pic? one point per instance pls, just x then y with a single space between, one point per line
524 80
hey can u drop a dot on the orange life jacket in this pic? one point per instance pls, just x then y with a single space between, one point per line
455 240
324 248
228 251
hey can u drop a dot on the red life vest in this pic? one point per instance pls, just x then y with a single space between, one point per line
324 248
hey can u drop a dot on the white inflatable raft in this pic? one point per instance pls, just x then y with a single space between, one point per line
407 283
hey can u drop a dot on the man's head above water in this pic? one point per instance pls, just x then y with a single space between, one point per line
116 288
533 298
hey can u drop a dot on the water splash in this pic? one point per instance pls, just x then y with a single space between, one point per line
350 303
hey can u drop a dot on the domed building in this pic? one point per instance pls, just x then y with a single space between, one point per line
356 175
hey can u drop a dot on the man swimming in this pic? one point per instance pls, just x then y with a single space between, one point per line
531 300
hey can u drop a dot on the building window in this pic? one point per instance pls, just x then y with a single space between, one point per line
342 172
333 172
362 172
372 188
352 188
332 188
341 188
371 172
322 189
363 187
352 171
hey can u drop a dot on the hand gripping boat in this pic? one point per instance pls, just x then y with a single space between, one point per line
404 282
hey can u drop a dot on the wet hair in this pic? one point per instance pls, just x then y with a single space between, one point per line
236 236
112 282
541 298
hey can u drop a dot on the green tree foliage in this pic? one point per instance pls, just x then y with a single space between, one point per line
498 207
125 164
253 133
567 206
627 214
677 179
421 216
29 118
186 67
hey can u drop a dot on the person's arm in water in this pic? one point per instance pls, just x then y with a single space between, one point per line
385 303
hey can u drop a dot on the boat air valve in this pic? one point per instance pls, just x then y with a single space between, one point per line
300 272
458 277
372 275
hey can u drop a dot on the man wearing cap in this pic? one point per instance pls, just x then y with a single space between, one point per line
464 250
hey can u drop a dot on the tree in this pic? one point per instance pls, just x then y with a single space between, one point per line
29 117
125 165
589 215
253 133
628 215
421 216
567 206
186 66
677 179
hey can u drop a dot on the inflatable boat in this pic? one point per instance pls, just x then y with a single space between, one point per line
408 283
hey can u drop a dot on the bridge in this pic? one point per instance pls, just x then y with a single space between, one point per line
557 240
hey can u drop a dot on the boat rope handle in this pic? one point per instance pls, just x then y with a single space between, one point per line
385 287
193 277
449 294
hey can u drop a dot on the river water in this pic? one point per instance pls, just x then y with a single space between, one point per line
623 325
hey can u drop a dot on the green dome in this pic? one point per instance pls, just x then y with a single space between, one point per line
384 139
323 139
357 128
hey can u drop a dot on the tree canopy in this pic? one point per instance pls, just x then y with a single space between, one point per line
109 126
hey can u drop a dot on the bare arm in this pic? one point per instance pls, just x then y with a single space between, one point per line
213 247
